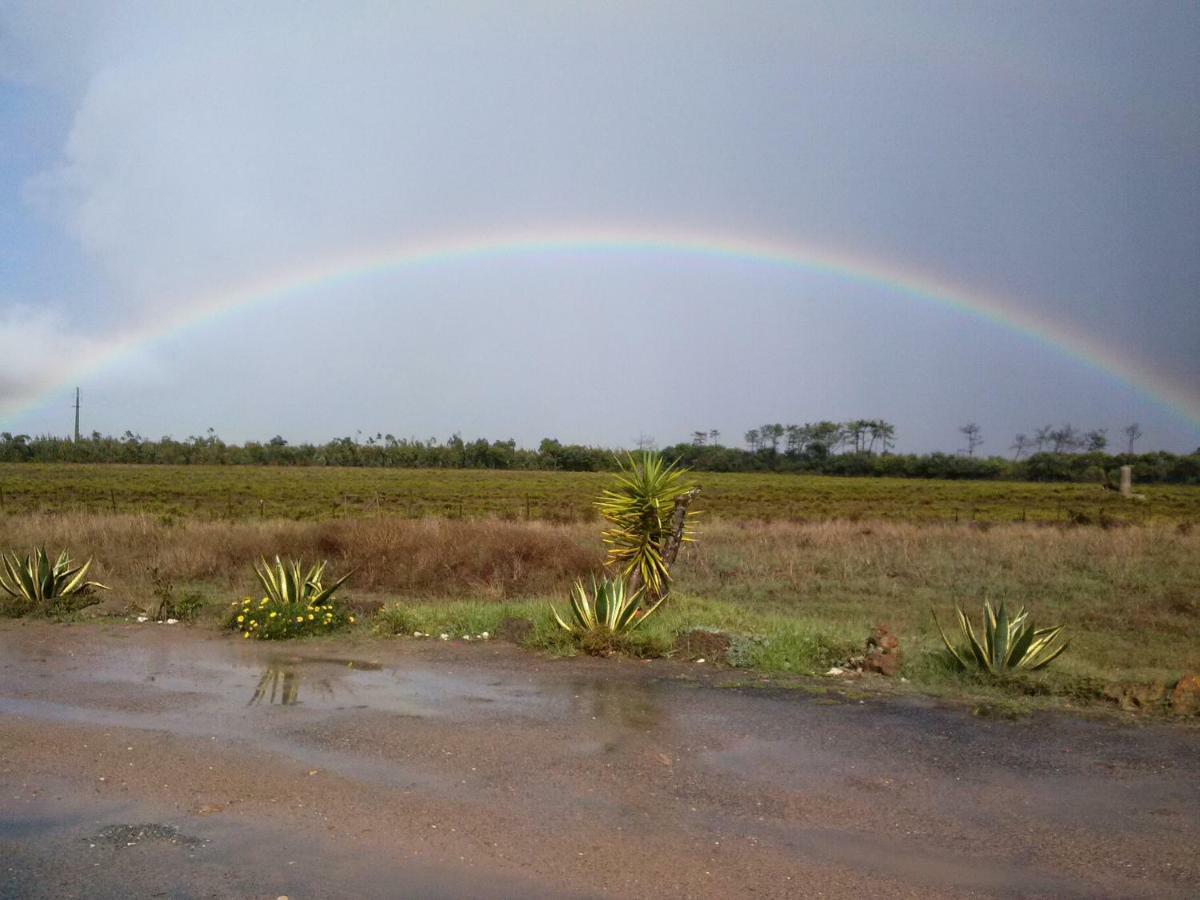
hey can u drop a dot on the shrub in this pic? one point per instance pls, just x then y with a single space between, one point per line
285 584
271 619
645 531
41 586
1005 644
610 608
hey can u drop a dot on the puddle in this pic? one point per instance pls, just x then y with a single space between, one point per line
918 797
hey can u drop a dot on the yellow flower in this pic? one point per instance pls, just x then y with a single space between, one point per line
245 634
241 618
299 618
352 620
274 614
310 617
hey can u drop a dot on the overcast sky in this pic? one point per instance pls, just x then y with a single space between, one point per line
1044 154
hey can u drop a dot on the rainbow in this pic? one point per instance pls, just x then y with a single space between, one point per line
896 280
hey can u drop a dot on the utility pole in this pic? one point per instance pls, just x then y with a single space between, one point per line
77 415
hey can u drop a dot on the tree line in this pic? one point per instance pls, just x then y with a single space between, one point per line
860 447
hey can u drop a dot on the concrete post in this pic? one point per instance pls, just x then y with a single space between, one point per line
1126 481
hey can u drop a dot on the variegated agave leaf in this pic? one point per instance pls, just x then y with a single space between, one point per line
609 605
1005 643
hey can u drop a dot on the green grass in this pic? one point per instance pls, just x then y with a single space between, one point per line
245 492
787 649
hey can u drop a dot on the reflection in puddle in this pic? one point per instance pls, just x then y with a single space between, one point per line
280 684
280 681
622 704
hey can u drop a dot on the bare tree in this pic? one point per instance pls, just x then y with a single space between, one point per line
646 442
1066 439
699 438
1041 437
1020 444
714 437
972 433
1132 432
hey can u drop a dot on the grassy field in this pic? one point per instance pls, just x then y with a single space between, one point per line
800 596
302 494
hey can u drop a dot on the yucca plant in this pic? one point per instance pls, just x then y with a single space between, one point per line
647 511
287 583
609 606
40 584
1006 643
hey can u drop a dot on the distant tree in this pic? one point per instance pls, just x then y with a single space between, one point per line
646 442
699 438
1041 437
824 437
857 430
1132 433
771 435
1020 444
714 437
974 436
1096 440
1066 439
753 440
794 441
887 436
882 432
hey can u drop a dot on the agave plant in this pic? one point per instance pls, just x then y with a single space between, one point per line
647 512
609 606
1006 643
287 583
42 584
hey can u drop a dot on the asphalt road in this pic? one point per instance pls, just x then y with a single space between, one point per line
142 761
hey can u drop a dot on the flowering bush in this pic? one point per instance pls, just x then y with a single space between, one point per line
273 620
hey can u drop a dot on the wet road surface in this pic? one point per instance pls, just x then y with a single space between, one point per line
164 761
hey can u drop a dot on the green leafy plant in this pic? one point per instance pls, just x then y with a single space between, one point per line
273 619
287 583
647 511
1005 643
38 584
610 606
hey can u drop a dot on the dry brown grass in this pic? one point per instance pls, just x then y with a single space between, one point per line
426 557
1128 596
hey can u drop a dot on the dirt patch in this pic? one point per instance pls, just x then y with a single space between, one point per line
515 631
131 835
700 643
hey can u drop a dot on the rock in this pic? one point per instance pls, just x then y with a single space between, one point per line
883 654
1185 699
700 644
516 631
1135 696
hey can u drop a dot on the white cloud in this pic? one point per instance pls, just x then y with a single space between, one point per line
40 351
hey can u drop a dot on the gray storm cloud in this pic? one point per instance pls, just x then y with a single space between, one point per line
1045 155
